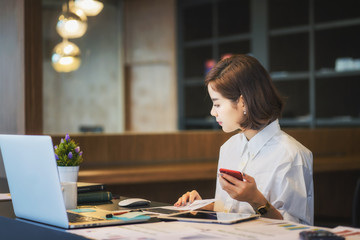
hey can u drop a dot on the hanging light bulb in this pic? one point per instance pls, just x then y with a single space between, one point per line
71 25
77 11
90 7
66 57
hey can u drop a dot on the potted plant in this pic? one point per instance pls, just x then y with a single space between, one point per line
68 157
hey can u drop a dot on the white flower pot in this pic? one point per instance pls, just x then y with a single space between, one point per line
68 173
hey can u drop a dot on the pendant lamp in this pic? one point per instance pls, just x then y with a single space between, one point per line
90 7
70 24
66 57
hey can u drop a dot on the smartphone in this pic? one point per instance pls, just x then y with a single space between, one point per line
235 174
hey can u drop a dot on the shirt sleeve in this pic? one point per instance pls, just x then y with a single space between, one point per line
293 196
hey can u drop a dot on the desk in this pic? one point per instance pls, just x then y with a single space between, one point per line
11 228
259 229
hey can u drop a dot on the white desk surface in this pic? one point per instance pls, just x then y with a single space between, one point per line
259 229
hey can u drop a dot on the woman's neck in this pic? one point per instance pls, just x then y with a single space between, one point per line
249 133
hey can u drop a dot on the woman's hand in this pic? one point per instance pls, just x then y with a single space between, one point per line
188 197
247 191
240 190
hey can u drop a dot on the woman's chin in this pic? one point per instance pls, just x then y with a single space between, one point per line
230 130
227 130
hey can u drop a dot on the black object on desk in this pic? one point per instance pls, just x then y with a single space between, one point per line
84 187
94 197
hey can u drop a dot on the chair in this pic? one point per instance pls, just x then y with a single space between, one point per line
356 206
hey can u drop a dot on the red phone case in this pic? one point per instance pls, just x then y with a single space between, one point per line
233 173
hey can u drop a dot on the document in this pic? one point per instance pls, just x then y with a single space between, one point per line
192 206
259 229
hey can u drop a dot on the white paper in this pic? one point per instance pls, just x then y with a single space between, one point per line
5 196
259 229
191 206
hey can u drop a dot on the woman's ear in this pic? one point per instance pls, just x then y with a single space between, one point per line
241 103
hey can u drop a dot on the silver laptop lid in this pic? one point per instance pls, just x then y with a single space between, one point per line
33 178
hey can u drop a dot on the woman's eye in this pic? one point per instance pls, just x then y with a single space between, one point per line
216 105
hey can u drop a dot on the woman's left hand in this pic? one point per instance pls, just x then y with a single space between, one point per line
245 190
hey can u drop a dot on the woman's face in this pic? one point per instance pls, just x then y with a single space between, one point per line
227 114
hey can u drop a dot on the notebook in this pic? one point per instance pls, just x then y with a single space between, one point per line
34 184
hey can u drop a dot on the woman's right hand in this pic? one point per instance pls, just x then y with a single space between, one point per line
188 197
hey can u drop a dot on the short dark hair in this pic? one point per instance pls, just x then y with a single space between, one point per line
243 75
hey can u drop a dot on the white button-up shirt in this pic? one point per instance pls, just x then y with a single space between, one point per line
281 167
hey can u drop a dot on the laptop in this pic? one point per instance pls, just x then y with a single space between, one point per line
35 188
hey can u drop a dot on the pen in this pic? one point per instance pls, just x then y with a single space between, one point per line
121 212
116 213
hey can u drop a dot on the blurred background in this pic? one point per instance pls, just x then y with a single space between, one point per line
134 79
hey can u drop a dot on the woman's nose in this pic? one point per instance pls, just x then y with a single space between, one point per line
213 112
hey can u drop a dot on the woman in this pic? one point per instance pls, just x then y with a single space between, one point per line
277 169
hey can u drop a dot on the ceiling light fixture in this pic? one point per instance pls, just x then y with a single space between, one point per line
90 7
66 57
70 24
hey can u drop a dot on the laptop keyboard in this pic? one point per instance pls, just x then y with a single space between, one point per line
75 218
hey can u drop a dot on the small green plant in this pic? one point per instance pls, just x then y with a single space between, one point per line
68 153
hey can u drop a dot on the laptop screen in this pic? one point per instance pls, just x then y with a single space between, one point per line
33 178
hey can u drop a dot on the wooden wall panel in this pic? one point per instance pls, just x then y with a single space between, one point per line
328 141
33 67
148 149
332 148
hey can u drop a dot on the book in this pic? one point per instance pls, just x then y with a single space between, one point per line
84 187
91 197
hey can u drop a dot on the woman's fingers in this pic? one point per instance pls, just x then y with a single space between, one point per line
194 195
230 179
182 200
178 203
187 197
237 189
248 178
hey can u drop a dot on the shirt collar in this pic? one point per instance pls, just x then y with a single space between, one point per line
243 143
262 137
